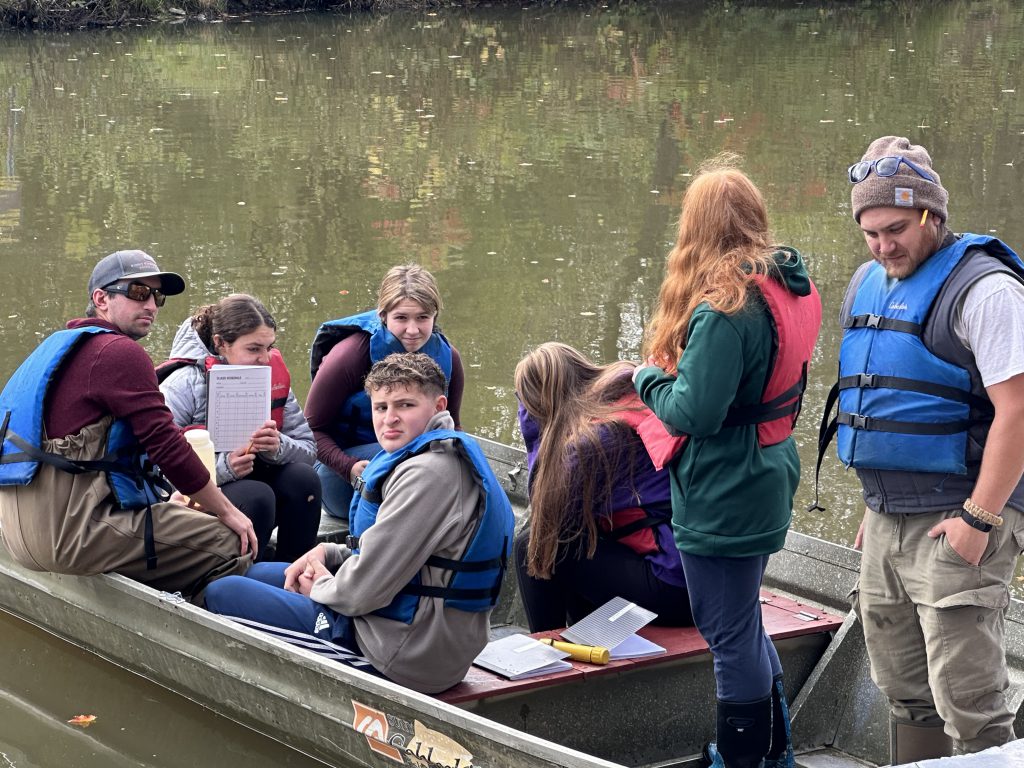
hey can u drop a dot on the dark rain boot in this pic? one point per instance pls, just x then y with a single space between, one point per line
910 742
781 753
744 735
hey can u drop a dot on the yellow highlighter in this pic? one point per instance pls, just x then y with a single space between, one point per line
592 654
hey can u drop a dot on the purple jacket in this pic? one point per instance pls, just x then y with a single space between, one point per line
640 485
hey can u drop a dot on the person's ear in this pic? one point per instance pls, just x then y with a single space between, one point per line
100 299
441 404
217 341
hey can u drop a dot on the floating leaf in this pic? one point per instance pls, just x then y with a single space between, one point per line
82 721
343 292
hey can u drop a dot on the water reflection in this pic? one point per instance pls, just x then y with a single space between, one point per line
137 723
533 159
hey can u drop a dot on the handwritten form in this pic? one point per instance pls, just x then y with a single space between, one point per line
238 404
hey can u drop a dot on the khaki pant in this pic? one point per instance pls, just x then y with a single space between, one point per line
67 523
934 625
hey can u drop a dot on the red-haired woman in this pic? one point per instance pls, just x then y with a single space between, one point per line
728 350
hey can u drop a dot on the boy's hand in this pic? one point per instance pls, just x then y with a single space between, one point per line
314 570
299 567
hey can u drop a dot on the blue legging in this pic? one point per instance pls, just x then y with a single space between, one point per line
260 596
724 595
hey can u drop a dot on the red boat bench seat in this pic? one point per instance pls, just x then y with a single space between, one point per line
783 618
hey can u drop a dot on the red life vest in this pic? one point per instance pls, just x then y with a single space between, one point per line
633 526
661 446
280 380
795 323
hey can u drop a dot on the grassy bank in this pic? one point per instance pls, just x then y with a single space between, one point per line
76 14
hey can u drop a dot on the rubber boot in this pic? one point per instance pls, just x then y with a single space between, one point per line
781 753
744 735
910 742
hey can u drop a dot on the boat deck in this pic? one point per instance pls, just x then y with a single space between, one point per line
783 618
663 705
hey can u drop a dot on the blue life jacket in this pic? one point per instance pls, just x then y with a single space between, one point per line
135 482
477 575
901 406
356 425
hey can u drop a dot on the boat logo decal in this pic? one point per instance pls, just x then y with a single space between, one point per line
435 750
374 726
408 743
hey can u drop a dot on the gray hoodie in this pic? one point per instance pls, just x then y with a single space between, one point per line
431 506
185 394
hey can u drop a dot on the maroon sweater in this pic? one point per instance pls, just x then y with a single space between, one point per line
111 373
340 376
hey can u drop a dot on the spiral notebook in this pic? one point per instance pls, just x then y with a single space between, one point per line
518 657
614 626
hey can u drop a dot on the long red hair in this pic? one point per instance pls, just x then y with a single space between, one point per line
723 242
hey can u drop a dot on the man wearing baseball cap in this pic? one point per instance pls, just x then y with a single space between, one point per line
83 424
931 409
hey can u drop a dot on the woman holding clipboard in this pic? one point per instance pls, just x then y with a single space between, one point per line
271 479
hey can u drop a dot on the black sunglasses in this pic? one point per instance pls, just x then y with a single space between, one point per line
885 166
138 292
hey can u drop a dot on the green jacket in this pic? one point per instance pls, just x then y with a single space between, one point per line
730 496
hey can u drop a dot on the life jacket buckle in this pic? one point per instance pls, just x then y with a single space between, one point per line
352 542
866 380
358 485
858 421
872 321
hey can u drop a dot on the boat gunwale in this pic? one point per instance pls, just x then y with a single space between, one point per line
99 597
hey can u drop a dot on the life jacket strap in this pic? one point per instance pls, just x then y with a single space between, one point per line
648 521
453 593
877 381
787 403
149 542
3 433
826 431
145 475
615 534
882 323
857 421
465 566
373 496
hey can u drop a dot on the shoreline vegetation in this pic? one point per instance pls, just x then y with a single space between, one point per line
64 15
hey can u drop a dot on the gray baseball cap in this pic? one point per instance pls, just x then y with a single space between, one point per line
125 265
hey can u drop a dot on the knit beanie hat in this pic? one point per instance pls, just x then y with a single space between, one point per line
906 188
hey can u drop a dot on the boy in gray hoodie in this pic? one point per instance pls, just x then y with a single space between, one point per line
413 588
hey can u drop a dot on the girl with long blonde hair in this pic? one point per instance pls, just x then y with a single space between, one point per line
599 508
728 348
